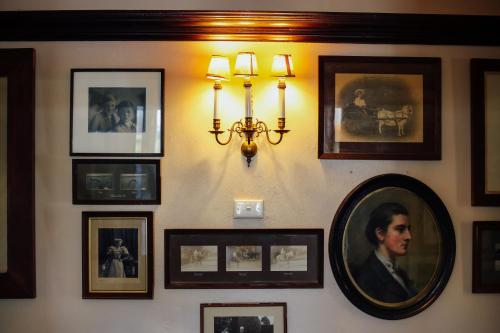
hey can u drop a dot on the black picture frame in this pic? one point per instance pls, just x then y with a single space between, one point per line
232 316
430 259
94 133
116 182
486 257
400 119
19 279
243 258
485 192
113 273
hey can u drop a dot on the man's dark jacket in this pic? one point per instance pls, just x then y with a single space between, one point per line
374 279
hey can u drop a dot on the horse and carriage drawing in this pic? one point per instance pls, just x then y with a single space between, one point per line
387 120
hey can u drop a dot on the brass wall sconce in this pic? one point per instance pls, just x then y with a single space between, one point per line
250 128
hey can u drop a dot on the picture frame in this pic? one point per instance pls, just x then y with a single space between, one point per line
486 257
243 318
17 173
117 260
243 258
379 108
392 246
116 182
117 112
485 138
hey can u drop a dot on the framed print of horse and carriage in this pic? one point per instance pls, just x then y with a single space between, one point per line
384 108
243 258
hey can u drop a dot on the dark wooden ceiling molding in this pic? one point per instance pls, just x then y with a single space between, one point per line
105 25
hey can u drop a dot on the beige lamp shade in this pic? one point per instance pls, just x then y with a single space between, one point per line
283 66
218 69
246 64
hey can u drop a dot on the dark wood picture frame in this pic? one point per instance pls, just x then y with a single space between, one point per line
147 128
309 275
206 307
482 257
367 139
113 170
18 65
428 203
87 292
480 194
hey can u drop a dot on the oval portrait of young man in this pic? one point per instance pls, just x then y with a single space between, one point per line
392 246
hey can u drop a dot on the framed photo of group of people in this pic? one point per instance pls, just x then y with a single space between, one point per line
243 258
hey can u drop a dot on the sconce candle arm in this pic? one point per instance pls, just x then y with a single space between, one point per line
262 127
236 127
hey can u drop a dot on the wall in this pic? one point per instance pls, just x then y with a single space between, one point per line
200 179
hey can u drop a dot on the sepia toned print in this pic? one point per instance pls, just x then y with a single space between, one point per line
378 107
199 259
289 258
243 258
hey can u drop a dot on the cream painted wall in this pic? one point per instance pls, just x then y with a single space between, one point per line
200 179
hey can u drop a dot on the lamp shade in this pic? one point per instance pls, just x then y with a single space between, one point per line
283 66
246 64
218 69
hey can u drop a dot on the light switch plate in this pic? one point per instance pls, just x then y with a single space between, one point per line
248 209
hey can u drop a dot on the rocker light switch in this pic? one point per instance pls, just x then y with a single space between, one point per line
248 209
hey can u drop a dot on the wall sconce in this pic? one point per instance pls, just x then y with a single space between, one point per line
246 67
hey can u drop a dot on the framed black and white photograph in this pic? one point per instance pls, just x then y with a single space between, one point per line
243 318
485 136
108 182
117 112
386 108
392 246
117 255
486 257
243 258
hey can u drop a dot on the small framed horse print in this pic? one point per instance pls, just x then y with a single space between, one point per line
384 108
243 258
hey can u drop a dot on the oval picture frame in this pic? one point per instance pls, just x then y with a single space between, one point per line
397 269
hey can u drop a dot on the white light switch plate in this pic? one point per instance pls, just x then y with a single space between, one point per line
248 209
